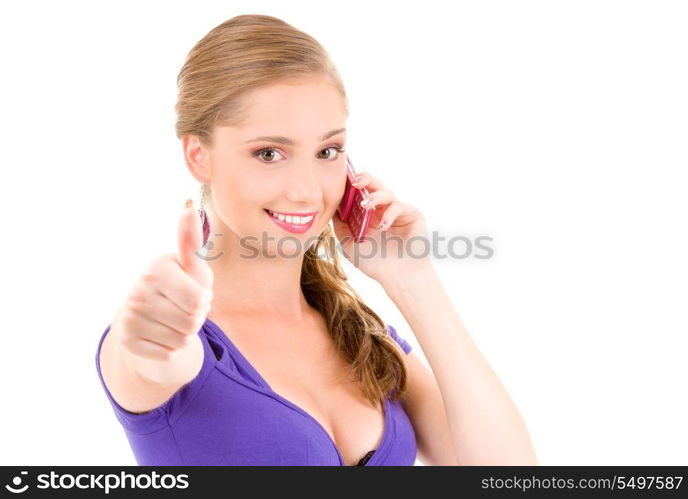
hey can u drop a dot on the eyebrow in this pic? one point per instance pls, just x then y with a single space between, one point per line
285 140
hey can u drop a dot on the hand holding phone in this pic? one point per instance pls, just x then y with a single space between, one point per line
350 210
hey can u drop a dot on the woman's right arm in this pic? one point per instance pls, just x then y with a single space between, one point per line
153 348
140 385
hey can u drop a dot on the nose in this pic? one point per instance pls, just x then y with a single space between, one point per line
303 185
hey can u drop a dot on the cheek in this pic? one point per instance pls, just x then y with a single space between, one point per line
233 201
242 186
334 190
241 203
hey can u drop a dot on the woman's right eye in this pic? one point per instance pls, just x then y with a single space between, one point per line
260 153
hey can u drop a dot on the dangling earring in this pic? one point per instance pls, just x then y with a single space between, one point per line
204 216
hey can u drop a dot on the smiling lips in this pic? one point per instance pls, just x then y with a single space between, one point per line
293 222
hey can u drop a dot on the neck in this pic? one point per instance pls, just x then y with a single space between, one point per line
248 281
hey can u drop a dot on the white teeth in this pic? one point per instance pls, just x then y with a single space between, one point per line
291 219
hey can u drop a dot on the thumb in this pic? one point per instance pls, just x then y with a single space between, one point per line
189 243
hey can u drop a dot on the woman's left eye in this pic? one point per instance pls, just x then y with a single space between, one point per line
336 147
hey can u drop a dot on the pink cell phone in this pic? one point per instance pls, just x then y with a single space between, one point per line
350 210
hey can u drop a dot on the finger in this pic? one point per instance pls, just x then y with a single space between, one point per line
380 197
390 214
140 327
161 309
179 287
160 334
369 181
190 242
150 350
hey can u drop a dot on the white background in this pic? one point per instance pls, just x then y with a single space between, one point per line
557 128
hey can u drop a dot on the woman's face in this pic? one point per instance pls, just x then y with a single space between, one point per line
286 158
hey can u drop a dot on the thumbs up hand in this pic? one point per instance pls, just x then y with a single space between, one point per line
156 327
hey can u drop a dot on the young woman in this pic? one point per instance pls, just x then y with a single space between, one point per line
260 352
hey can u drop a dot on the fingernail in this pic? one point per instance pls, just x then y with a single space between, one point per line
365 202
382 226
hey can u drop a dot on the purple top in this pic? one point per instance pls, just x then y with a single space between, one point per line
229 416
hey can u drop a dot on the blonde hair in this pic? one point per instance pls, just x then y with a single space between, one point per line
244 53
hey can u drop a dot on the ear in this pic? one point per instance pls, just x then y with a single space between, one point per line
197 158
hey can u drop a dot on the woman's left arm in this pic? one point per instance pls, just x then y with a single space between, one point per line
485 425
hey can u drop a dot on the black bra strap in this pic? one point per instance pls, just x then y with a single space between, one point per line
365 458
